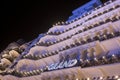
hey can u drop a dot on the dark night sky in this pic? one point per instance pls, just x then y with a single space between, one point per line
27 19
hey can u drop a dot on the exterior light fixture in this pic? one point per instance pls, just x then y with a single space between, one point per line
116 77
77 79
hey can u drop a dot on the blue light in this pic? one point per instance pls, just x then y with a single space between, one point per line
84 9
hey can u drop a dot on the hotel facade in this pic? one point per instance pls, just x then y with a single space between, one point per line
85 47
